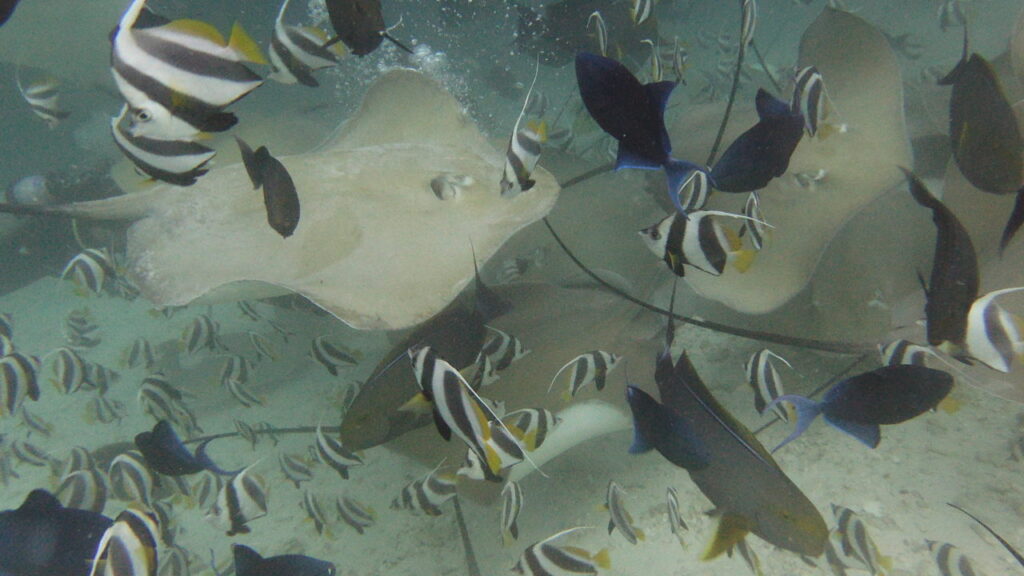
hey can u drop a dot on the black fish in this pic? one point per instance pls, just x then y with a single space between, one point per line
762 152
279 195
6 10
749 490
859 404
984 135
248 562
360 25
561 31
43 538
166 453
953 286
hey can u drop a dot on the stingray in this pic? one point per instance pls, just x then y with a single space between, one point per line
376 247
863 79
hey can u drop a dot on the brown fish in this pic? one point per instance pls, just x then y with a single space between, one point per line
279 195
360 25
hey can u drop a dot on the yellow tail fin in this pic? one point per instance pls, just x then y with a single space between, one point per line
243 45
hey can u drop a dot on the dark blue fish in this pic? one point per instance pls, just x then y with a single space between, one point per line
166 453
43 538
248 562
859 404
7 9
762 152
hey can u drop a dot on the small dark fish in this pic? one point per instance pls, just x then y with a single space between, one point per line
984 135
859 404
279 195
166 453
953 286
1013 551
248 562
44 537
762 152
360 25
7 9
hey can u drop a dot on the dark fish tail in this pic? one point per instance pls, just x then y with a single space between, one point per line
806 411
954 74
203 458
396 42
1014 223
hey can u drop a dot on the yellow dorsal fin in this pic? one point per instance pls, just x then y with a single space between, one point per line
743 259
493 460
540 129
196 29
530 440
731 529
243 45
314 32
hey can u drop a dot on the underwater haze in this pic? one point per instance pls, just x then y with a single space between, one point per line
396 287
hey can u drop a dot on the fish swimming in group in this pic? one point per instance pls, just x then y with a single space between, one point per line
620 517
531 426
564 27
641 10
675 520
951 15
904 352
545 558
166 453
89 269
330 356
511 506
859 404
240 501
294 468
139 354
248 562
360 25
949 559
314 511
356 514
296 52
333 453
427 494
42 96
279 195
765 381
854 541
699 240
600 31
68 370
523 151
588 368
43 537
810 99
130 546
130 478
19 381
177 77
754 224
994 334
180 162
1013 551
83 490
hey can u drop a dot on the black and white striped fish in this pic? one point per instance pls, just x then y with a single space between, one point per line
79 322
99 377
159 399
994 335
24 451
531 426
262 345
246 432
236 368
742 547
697 240
331 452
240 501
484 374
523 151
201 333
104 410
749 11
6 325
545 558
296 52
68 370
588 368
206 488
502 349
950 560
810 98
314 511
174 561
130 479
177 77
35 423
855 543
180 161
675 519
427 494
640 10
83 490
354 513
620 517
294 468
511 505
89 269
950 15
42 96
657 69
904 352
240 391
600 31
695 188
79 458
330 356
458 409
129 546
248 310
680 59
755 226
18 380
764 379
140 354
6 345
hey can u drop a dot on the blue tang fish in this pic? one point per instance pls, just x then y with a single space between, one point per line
43 538
859 404
166 453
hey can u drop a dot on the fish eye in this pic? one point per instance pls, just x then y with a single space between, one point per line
142 115
654 233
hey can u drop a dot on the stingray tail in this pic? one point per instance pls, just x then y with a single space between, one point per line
207 463
1014 223
806 411
397 43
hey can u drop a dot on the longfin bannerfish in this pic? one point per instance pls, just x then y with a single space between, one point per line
296 52
657 70
950 15
174 561
29 453
279 195
35 423
294 468
588 368
675 520
68 370
641 10
511 505
6 345
354 513
950 560
523 151
749 557
484 374
78 458
262 345
104 410
904 352
754 226
42 96
545 558
458 409
315 512
811 99
766 382
427 494
129 546
89 269
140 354
200 334
177 77
248 433
235 377
620 517
680 59
158 398
531 426
749 16
697 240
240 501
206 488
854 541
600 31
994 334
695 187
18 380
330 356
180 161
331 452
130 479
502 349
6 325
83 490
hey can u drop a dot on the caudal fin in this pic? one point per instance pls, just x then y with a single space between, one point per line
1014 223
